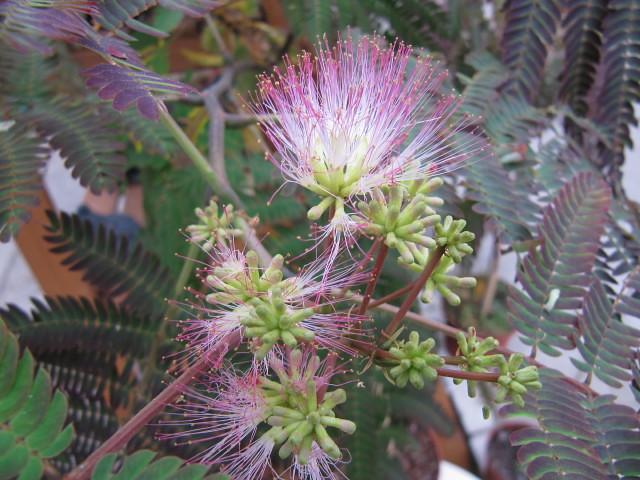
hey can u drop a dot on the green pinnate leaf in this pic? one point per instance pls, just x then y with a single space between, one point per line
21 158
11 402
34 409
33 470
141 466
13 461
31 419
111 263
577 434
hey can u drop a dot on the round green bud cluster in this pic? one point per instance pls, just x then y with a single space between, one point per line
451 234
476 357
515 381
216 226
299 417
401 219
269 320
443 283
414 362
241 280
334 183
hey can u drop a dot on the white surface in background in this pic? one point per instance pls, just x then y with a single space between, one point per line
449 471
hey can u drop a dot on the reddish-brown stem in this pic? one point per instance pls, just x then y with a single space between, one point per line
367 256
373 280
414 292
453 331
125 433
391 296
452 360
464 375
369 349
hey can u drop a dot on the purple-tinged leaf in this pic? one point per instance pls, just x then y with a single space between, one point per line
114 87
127 85
555 276
125 98
600 439
148 108
24 24
605 342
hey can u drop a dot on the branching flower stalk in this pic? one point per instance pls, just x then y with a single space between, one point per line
365 149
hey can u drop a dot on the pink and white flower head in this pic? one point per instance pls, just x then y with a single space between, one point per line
359 116
245 418
222 410
268 309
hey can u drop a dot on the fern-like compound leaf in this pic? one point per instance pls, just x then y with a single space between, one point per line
555 275
110 263
141 465
126 86
24 23
80 325
482 89
529 30
144 133
577 435
497 196
582 25
618 83
32 417
21 158
606 342
115 15
90 149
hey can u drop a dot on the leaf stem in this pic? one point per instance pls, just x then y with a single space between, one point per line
196 157
125 433
414 292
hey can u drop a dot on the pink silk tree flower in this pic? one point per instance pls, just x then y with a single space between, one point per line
359 116
280 405
268 309
224 409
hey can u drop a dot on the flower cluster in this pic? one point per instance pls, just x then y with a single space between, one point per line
285 400
267 308
361 116
367 129
414 361
215 226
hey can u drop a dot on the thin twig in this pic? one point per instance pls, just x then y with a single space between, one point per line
414 292
125 433
216 114
391 296
373 280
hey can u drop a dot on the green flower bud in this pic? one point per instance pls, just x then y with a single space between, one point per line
450 234
514 381
413 362
216 226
